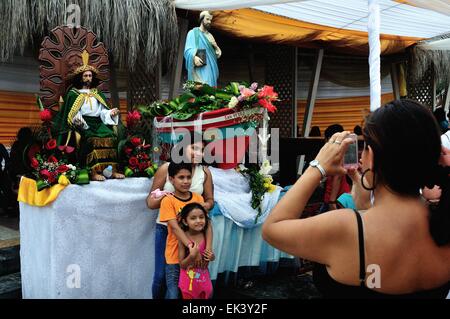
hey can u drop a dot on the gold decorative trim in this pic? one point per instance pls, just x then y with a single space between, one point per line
75 108
101 142
96 155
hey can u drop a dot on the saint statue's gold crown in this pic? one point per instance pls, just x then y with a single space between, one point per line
85 67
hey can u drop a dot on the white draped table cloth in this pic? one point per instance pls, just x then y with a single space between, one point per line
97 241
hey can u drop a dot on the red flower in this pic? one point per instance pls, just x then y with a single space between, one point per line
46 115
34 163
45 174
62 169
51 144
52 177
145 156
52 159
133 118
135 141
33 150
143 166
269 106
267 93
133 161
128 151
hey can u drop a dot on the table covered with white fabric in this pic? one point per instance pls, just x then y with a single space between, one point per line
97 240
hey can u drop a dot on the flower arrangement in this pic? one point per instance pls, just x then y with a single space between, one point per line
49 162
260 183
251 96
199 97
50 167
136 153
138 158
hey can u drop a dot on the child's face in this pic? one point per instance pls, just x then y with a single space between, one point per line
182 181
196 220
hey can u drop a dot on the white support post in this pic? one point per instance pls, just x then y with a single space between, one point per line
373 28
312 94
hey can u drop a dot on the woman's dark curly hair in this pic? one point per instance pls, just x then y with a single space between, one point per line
405 140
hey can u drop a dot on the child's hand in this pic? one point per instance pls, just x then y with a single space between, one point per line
194 252
208 255
158 194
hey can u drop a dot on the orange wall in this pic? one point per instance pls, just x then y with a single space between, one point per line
348 112
19 109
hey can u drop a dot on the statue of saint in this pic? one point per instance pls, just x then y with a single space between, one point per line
201 52
86 113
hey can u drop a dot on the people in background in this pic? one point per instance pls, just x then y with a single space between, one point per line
6 195
17 166
357 130
315 131
439 114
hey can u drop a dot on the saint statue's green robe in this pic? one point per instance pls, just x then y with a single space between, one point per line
97 145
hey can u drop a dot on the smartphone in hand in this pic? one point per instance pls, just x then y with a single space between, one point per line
351 155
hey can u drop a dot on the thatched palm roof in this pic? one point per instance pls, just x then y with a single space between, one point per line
423 58
128 28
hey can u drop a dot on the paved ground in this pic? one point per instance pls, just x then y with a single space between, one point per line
283 283
271 282
9 232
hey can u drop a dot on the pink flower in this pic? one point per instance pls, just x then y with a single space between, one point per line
246 92
66 149
46 115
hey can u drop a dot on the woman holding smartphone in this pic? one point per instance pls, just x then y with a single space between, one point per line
399 248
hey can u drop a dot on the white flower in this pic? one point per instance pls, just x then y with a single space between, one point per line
242 167
212 97
265 168
233 102
71 167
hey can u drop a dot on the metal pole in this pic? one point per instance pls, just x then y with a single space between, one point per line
312 94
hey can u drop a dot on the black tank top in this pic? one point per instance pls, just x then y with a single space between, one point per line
330 288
